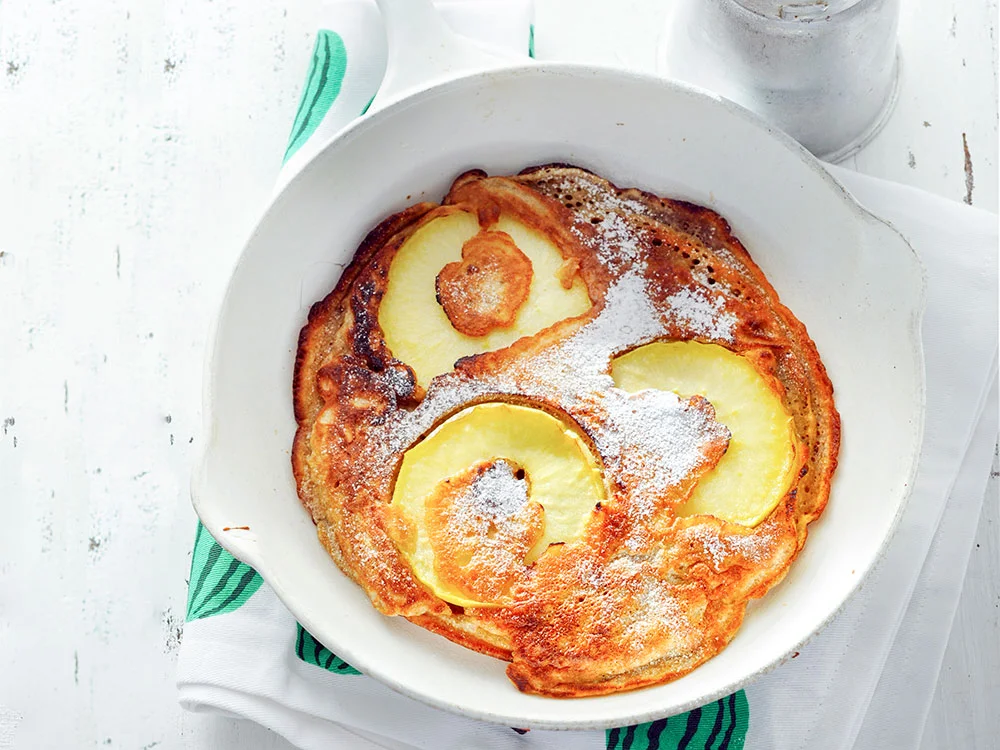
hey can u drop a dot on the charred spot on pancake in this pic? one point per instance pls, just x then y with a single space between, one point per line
349 382
353 396
358 394
367 341
485 290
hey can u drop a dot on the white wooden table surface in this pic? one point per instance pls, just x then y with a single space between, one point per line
138 141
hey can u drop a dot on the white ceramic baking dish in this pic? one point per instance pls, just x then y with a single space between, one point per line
848 276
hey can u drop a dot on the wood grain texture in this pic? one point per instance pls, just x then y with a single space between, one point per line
947 101
138 142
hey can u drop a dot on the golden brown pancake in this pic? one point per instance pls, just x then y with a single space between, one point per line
646 594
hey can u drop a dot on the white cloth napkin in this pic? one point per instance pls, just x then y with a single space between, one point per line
854 685
821 699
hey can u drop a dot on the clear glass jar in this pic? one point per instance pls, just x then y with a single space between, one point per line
824 72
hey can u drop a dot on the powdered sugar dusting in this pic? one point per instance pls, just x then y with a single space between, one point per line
630 591
616 244
658 609
496 493
491 519
756 548
652 439
701 313
581 363
656 439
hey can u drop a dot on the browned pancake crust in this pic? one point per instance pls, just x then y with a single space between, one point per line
598 616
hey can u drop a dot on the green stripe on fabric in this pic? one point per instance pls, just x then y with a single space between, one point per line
300 642
654 733
311 651
629 737
709 726
531 41
326 74
739 711
721 725
202 561
219 583
717 722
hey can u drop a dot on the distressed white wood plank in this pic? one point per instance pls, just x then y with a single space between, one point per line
942 135
141 140
219 733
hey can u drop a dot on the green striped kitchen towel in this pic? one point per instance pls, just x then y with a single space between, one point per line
243 654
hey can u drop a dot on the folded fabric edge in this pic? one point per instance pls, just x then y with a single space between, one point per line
301 729
849 176
973 478
967 445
